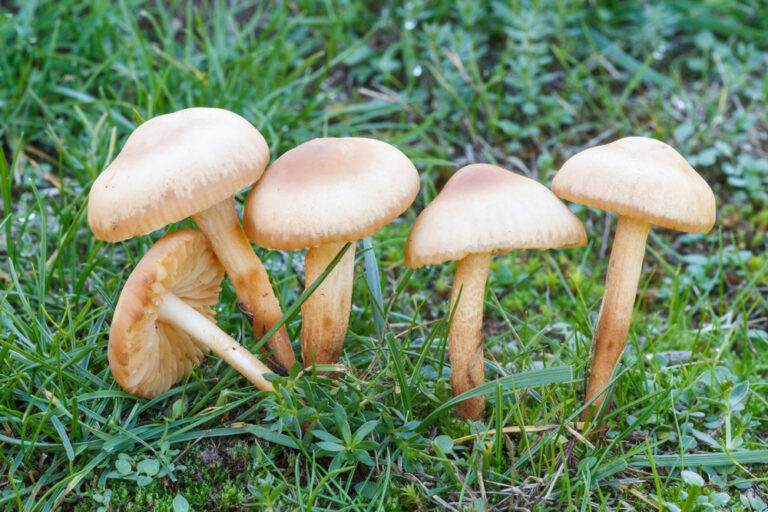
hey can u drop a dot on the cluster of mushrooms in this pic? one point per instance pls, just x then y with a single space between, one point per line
324 195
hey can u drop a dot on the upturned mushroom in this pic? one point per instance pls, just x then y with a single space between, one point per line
321 195
483 210
163 323
645 182
190 164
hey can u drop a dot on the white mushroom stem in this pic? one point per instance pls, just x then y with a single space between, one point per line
178 313
618 302
465 338
325 314
221 226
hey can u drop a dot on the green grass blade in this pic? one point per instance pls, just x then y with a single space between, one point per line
543 377
397 360
628 62
373 279
704 459
292 311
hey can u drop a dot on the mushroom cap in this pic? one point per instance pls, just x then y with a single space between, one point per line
146 355
486 209
641 178
329 190
173 166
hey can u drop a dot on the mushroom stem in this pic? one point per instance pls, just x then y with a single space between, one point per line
618 302
465 338
325 314
249 277
178 313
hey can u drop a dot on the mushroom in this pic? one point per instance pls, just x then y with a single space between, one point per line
163 323
321 195
483 210
646 182
191 163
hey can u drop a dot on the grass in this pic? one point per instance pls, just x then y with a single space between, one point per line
523 85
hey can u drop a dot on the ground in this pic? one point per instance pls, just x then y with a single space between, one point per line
524 85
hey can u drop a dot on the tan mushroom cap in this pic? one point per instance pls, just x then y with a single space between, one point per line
486 209
641 178
148 356
329 190
173 166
